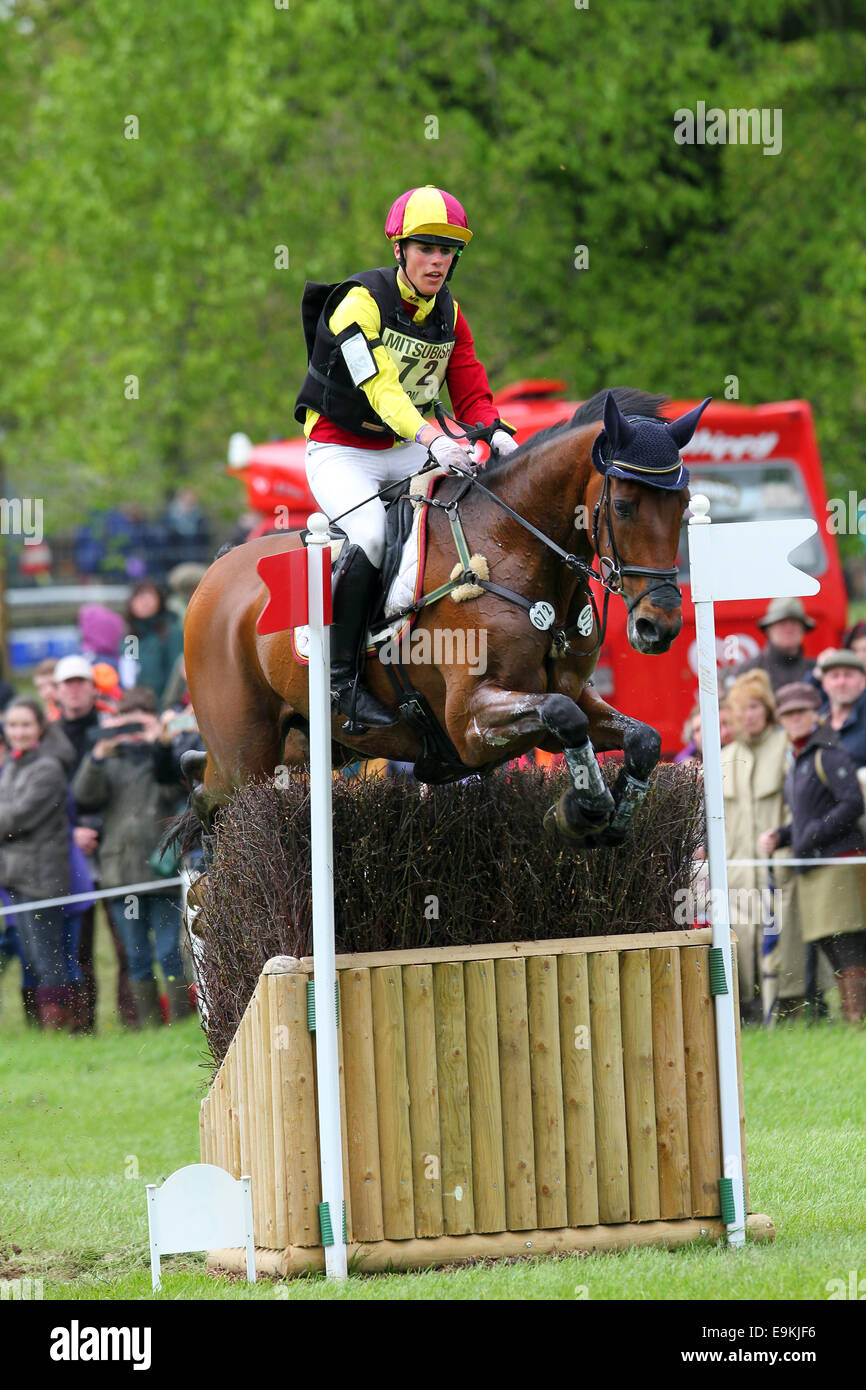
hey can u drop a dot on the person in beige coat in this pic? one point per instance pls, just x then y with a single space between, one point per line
753 780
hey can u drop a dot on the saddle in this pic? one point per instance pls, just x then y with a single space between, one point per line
438 761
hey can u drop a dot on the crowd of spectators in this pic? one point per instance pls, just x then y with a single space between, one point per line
89 782
794 775
121 545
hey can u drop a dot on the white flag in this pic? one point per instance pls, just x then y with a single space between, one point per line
748 559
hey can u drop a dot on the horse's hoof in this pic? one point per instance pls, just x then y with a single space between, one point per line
569 819
610 838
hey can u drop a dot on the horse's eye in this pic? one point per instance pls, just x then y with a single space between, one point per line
623 508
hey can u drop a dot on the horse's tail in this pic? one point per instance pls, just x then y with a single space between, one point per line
183 833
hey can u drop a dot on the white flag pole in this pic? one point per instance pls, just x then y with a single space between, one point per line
324 967
726 1038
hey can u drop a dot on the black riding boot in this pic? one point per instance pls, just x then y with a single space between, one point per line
354 595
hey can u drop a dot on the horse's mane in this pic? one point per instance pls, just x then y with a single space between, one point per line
629 400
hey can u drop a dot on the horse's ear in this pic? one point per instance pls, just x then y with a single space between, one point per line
616 426
681 430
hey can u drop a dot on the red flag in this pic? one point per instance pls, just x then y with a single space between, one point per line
285 575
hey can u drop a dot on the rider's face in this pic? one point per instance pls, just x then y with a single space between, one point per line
427 266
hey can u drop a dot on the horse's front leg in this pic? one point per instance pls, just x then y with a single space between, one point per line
499 717
641 745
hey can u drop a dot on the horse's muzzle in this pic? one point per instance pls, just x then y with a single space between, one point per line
652 635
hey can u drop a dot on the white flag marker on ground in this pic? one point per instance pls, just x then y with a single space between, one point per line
733 561
322 846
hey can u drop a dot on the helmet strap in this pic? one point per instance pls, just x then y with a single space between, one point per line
401 258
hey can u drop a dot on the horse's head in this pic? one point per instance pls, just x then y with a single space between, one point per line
637 514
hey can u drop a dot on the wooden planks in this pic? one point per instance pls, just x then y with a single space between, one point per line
294 1083
276 1035
392 1095
362 1115
637 1049
548 1121
522 1090
702 1084
423 1077
577 1093
516 1088
485 1096
458 1202
608 1083
675 1198
510 950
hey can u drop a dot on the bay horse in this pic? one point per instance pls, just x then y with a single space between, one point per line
566 499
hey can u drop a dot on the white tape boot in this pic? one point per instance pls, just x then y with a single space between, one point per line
585 812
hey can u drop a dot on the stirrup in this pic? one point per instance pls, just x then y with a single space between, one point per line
359 721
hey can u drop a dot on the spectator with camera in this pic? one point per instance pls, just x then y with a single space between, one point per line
118 778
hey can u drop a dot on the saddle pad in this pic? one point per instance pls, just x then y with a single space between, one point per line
406 586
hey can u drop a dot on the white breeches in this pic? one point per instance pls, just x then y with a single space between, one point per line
341 476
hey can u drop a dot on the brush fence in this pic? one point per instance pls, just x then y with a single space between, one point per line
496 1100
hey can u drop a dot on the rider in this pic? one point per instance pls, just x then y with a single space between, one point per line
381 344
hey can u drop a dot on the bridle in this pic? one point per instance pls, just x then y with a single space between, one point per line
611 570
664 580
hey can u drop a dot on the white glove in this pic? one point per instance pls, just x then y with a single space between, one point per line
502 443
449 454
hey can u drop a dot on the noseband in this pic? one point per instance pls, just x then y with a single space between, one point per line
612 571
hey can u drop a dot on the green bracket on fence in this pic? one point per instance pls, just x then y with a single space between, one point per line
726 1196
325 1226
718 982
311 1005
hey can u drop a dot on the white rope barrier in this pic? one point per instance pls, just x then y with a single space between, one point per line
150 887
794 863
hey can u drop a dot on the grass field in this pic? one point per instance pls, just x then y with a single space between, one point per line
85 1122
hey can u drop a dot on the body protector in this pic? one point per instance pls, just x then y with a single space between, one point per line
339 364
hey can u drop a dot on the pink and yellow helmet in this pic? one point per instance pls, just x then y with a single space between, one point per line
430 214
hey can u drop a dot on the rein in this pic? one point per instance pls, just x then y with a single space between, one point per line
610 572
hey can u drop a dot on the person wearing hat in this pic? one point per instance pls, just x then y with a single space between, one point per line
785 623
75 693
80 720
753 780
843 677
382 344
825 801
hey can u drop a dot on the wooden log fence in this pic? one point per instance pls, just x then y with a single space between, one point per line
512 1099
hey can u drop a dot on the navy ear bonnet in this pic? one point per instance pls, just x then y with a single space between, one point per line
644 450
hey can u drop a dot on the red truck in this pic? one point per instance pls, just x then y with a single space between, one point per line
753 462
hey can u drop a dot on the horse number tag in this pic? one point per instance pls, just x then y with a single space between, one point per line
542 616
584 621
